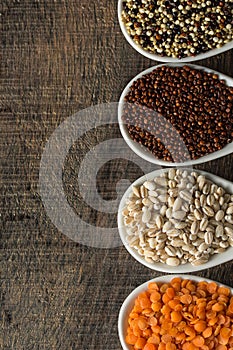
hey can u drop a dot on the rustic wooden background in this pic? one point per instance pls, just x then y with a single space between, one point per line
59 57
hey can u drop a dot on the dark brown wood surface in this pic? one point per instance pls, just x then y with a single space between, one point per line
58 58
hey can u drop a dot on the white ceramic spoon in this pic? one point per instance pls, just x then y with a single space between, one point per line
142 151
215 259
155 57
129 302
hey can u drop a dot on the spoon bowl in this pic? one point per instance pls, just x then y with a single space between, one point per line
129 302
142 152
214 260
153 56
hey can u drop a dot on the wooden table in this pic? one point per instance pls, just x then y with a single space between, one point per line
58 58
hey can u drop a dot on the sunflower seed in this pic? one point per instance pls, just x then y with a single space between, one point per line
161 181
208 211
147 202
210 228
146 215
224 207
173 261
151 225
219 215
171 173
128 220
203 200
180 225
154 200
186 247
208 237
203 224
132 239
197 203
140 251
151 234
192 208
201 180
229 218
213 188
159 221
220 191
222 201
185 207
149 259
229 231
201 235
173 192
155 258
182 184
192 237
177 242
191 217
210 200
136 191
229 210
224 244
172 184
219 250
179 253
219 231
227 197
152 242
227 224
163 198
224 237
150 185
198 214
171 251
189 186
213 222
161 238
195 227
125 212
143 191
149 253
198 242
173 233
163 210
191 179
170 201
167 226
206 188
168 213
160 246
185 239
194 174
216 206
186 195
153 193
199 261
180 214
177 204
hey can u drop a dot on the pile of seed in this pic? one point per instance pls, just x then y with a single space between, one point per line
179 112
179 217
178 28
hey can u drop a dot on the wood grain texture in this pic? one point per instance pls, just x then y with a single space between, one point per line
59 57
